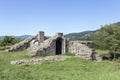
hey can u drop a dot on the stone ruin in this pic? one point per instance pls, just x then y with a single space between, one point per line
58 44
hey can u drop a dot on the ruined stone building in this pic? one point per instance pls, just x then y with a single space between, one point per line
57 44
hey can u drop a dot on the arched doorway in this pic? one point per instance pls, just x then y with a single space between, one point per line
59 46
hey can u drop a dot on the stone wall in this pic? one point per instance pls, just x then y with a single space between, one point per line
22 45
81 49
31 41
48 46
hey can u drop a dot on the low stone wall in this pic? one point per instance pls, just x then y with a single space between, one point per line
40 60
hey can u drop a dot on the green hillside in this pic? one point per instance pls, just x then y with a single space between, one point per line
85 35
77 36
117 23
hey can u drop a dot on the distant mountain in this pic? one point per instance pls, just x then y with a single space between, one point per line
77 36
23 36
20 37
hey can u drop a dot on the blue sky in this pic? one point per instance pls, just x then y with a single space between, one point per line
18 17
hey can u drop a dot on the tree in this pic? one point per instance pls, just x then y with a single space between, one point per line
108 37
0 43
99 37
113 40
9 40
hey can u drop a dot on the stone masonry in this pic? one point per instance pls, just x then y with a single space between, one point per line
57 44
82 49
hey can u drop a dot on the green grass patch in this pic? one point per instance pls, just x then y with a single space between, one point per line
53 54
70 69
48 54
98 51
14 55
69 54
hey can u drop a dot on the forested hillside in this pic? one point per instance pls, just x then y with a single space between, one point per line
80 35
85 35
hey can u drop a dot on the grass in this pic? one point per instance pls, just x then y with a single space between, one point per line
70 69
52 54
69 54
48 54
98 51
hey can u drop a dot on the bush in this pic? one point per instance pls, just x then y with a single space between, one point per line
9 40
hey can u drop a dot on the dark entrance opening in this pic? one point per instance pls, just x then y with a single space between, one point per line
59 46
